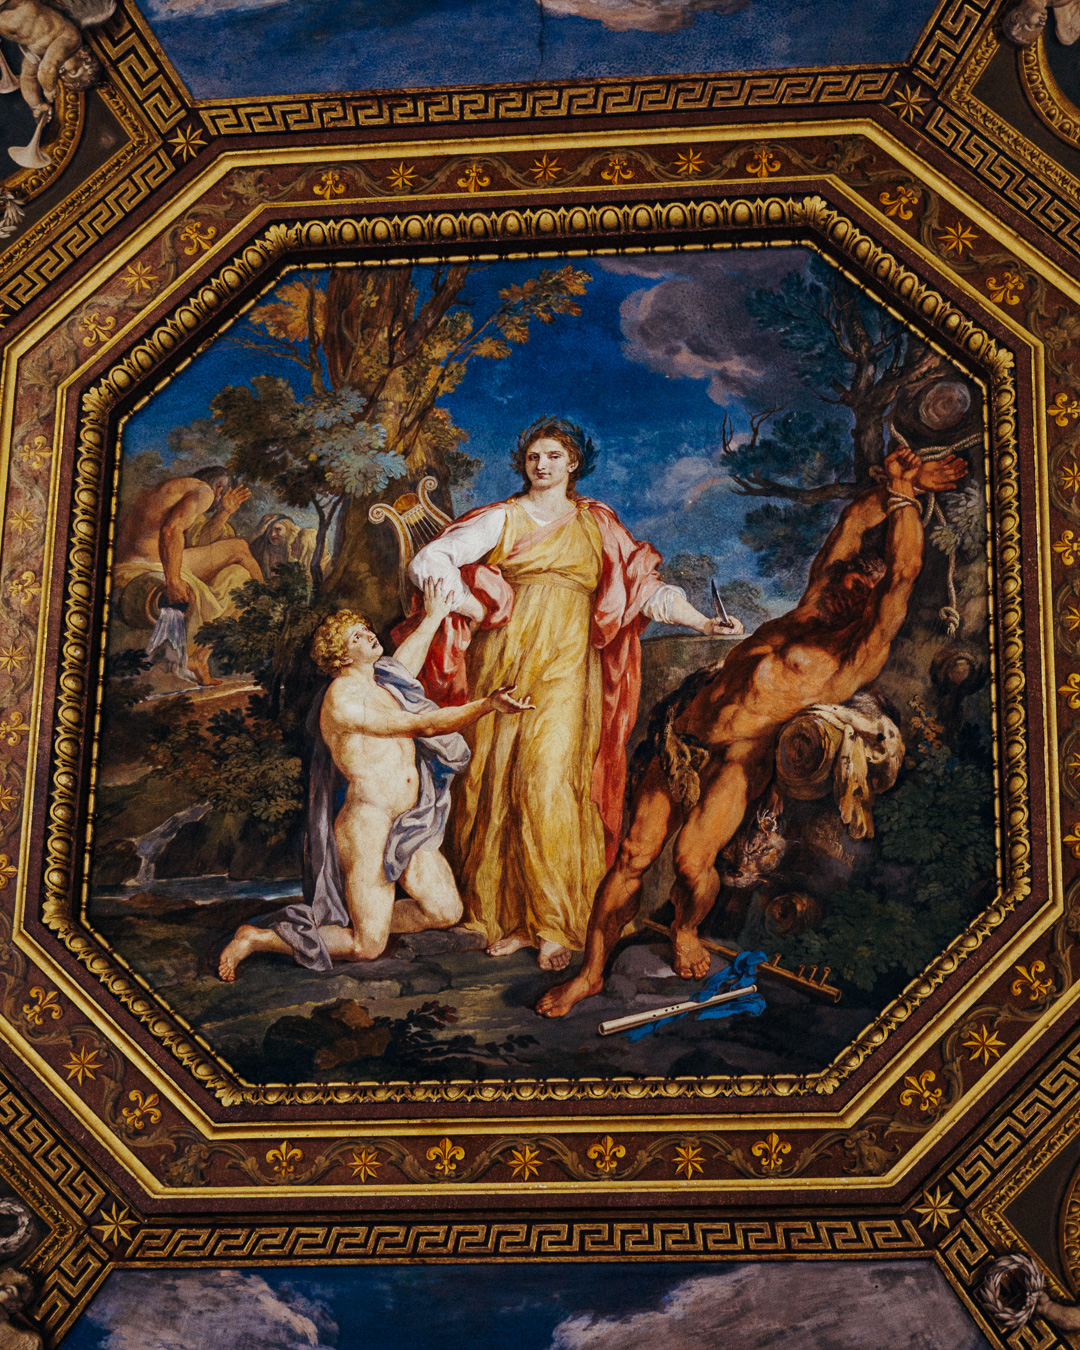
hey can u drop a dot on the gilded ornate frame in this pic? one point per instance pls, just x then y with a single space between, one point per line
129 1139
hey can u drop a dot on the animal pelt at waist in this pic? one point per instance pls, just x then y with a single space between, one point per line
682 757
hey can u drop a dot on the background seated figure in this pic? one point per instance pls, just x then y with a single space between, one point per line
397 754
155 565
835 640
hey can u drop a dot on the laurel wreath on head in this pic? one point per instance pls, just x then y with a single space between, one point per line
544 426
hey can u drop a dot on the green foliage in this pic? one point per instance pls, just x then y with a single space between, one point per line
695 571
247 762
935 865
242 763
831 323
801 450
313 451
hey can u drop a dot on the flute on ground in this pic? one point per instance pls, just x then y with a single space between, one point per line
672 1010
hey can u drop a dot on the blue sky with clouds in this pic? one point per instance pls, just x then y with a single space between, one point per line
663 350
238 47
838 1305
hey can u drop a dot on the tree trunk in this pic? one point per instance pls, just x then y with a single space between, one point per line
365 572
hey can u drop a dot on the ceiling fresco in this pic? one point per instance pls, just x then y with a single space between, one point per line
224 50
540 674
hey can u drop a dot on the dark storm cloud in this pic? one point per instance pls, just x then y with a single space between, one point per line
692 322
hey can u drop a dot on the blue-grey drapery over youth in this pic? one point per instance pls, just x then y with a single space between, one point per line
438 759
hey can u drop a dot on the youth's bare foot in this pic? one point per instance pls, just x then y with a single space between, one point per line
557 1002
692 961
552 956
507 946
245 941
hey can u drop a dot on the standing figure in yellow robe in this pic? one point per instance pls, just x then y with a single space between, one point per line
549 592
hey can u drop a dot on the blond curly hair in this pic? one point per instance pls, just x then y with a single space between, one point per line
328 647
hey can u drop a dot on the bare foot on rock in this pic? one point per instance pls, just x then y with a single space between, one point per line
245 941
692 961
552 956
557 1002
507 946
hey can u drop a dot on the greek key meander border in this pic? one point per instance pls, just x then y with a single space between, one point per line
71 1263
810 215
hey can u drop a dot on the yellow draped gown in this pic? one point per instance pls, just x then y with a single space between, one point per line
525 839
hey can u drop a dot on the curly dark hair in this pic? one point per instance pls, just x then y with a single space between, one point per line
569 435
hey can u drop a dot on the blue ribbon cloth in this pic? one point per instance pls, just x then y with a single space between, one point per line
741 972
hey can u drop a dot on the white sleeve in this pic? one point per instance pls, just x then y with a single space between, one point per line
659 605
444 557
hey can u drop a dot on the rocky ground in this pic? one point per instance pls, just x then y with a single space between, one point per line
436 1006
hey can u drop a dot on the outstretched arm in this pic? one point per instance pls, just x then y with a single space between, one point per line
413 651
375 720
868 510
907 474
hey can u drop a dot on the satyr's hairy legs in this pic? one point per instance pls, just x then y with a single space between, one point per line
728 785
361 831
653 819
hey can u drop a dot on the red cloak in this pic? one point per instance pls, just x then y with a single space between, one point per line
628 577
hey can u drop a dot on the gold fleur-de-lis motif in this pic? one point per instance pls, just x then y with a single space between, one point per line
187 143
83 1063
402 177
1071 690
1071 618
9 797
7 870
24 587
1062 409
284 1158
197 236
984 1044
474 178
688 1160
13 726
364 1163
446 1155
115 1224
770 1152
900 205
96 329
43 1003
11 658
688 162
37 454
1067 547
908 104
957 238
618 170
330 185
138 278
546 169
919 1090
1069 477
525 1162
1007 289
1029 980
1072 764
1073 840
936 1209
763 163
606 1154
145 1109
23 520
